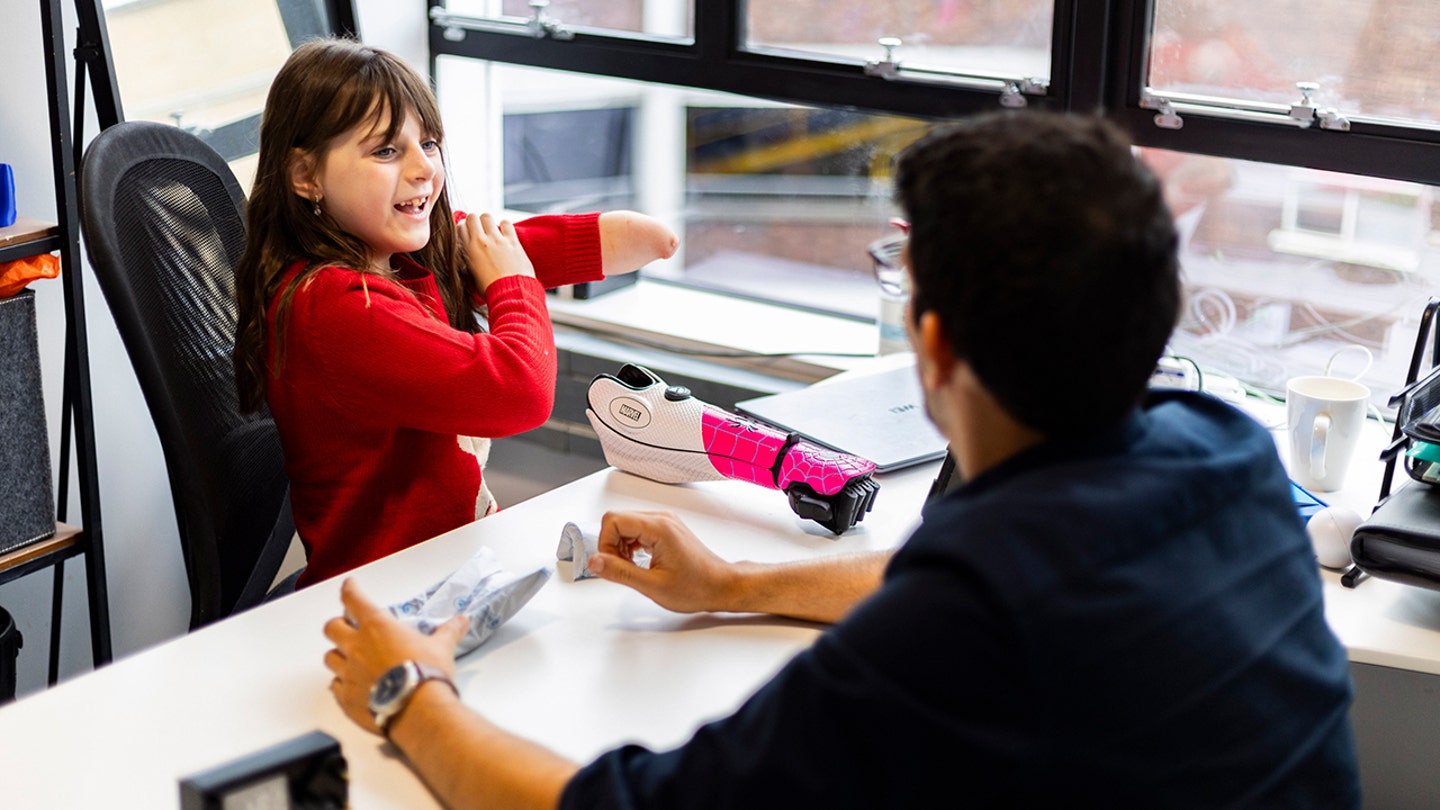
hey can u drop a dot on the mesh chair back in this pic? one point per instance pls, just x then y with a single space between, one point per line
163 219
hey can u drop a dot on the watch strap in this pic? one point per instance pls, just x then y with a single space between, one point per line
419 673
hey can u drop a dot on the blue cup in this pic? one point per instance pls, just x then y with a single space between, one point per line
7 195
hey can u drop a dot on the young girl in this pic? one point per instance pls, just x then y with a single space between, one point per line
357 295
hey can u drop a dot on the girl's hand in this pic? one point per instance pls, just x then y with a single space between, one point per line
492 250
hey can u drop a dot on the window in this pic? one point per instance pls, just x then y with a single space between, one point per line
1365 59
988 37
1298 142
212 81
614 16
1286 267
772 201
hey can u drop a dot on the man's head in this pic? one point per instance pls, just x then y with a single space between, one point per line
1046 251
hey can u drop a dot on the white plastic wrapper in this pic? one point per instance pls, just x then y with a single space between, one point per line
578 544
576 547
485 593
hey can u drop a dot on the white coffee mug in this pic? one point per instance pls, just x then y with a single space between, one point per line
1326 415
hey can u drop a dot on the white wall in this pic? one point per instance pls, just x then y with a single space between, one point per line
149 599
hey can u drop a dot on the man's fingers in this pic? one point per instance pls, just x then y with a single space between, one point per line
339 629
454 629
620 530
621 571
611 567
358 607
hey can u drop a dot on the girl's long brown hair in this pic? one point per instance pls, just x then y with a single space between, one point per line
326 88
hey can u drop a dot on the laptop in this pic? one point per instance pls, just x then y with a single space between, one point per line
878 416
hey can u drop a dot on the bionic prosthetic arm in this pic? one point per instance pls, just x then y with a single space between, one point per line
663 433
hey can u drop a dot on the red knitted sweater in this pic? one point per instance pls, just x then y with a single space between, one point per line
377 394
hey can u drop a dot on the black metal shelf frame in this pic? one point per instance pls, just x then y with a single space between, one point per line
76 411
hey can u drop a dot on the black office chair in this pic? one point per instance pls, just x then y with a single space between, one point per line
164 226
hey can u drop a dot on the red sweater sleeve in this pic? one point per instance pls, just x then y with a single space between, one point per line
378 356
564 248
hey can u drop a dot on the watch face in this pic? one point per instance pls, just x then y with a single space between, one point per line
389 688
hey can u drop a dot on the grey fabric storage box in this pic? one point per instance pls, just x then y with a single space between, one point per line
27 501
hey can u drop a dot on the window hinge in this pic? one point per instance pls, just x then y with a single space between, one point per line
1303 114
1012 90
1165 115
1306 113
541 26
1013 95
455 27
1330 118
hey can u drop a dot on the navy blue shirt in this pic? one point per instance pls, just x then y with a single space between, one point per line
1131 619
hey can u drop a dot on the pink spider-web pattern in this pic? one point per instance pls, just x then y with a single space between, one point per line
745 450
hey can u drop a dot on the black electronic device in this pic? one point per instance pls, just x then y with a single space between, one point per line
1400 540
304 773
947 479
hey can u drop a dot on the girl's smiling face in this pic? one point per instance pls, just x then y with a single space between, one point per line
380 190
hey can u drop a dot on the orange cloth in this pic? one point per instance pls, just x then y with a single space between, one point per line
16 275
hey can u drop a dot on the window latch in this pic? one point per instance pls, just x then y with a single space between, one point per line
1307 113
889 67
1014 93
1165 115
541 25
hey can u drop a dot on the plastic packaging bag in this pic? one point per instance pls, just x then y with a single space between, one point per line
486 593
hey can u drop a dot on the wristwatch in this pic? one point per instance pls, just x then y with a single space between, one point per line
392 692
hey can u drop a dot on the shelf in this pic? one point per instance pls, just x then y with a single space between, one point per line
66 542
29 237
65 536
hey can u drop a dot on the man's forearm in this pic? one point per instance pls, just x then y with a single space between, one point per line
820 590
467 761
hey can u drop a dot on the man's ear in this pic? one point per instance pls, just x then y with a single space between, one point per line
934 355
302 170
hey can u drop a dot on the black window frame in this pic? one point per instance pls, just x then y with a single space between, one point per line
1098 57
1378 150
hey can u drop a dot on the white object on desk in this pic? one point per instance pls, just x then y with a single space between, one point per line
1330 530
1325 415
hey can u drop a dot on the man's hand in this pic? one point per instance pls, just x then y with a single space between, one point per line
684 575
492 250
466 760
368 641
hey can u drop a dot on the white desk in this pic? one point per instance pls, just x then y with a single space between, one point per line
588 665
584 667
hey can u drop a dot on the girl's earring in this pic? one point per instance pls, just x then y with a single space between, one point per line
317 205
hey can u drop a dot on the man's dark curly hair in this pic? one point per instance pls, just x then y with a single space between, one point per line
1046 249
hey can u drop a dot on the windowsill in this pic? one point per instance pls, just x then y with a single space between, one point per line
690 320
